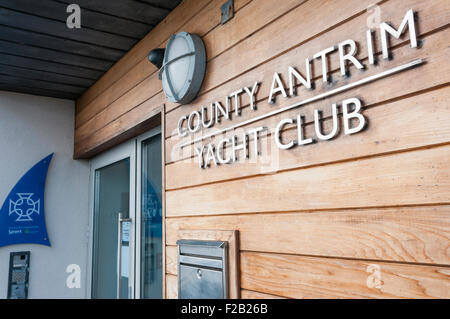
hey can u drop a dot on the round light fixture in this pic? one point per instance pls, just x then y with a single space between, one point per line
183 67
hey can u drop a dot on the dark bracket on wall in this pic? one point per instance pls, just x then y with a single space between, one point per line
227 11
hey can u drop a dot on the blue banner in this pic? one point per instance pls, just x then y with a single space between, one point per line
22 218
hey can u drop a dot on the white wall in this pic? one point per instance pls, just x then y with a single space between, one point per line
32 127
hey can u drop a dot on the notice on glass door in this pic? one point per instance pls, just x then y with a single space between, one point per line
126 231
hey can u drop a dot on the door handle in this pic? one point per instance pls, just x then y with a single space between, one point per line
121 219
119 252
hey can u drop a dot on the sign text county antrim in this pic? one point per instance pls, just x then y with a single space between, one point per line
353 120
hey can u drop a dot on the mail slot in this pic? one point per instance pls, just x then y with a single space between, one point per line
202 269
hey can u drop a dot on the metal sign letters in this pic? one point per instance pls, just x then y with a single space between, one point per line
353 120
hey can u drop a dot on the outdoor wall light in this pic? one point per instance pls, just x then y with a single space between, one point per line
181 66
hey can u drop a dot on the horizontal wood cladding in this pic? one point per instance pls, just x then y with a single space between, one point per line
403 234
337 11
158 35
416 121
126 95
410 178
136 85
312 220
171 259
312 277
130 125
315 221
293 276
420 78
143 70
431 18
171 287
248 294
275 38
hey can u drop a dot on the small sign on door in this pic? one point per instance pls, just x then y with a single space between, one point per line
126 231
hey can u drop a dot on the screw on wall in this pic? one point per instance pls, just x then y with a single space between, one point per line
227 11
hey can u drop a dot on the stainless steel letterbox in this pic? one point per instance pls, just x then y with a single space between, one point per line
202 269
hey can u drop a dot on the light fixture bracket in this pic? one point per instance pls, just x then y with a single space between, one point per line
227 11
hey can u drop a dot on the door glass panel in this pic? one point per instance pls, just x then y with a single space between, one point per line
112 186
151 219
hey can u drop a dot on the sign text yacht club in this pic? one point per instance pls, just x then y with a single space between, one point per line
207 116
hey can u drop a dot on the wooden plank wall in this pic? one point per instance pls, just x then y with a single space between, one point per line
313 221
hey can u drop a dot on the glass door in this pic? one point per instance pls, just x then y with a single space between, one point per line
127 233
113 209
149 281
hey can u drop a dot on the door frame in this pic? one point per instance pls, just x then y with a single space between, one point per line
133 150
153 132
118 153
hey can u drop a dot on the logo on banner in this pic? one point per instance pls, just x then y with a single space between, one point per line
22 218
24 207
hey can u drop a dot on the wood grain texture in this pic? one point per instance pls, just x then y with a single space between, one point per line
294 240
256 15
111 134
171 287
137 92
311 277
281 22
403 234
431 18
312 219
205 20
248 294
430 74
171 260
316 17
413 122
158 35
110 106
410 178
